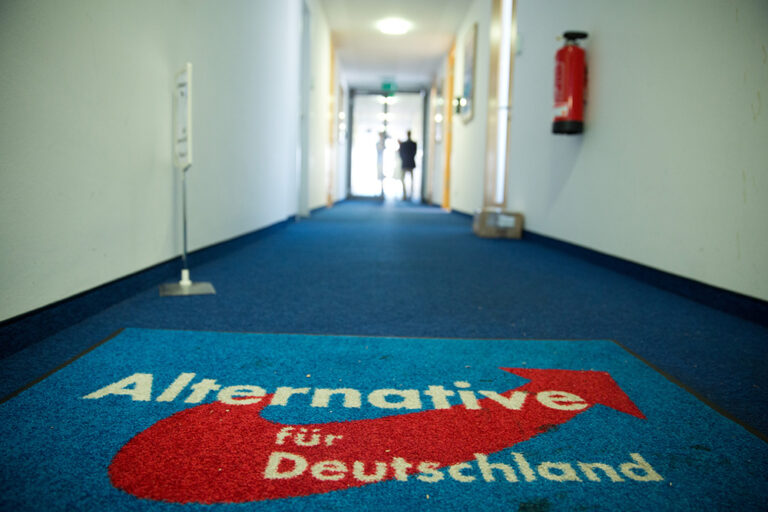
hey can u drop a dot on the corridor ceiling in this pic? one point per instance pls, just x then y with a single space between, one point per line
369 58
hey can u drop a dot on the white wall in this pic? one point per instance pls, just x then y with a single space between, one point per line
468 142
87 189
672 171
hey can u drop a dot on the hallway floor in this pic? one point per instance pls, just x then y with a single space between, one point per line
361 268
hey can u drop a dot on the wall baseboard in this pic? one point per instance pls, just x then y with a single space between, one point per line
23 330
743 306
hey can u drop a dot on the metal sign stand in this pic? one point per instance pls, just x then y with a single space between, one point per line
185 286
183 159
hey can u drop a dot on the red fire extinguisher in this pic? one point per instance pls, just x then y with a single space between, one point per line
570 85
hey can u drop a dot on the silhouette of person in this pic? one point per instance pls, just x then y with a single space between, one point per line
380 160
407 152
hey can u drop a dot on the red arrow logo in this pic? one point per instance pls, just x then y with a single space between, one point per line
219 453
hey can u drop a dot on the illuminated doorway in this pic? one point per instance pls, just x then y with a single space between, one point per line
375 169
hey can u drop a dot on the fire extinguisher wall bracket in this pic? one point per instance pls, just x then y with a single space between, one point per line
574 35
570 85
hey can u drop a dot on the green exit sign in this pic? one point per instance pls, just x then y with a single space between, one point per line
388 86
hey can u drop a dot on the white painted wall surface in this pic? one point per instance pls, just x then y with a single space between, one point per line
672 171
468 143
87 189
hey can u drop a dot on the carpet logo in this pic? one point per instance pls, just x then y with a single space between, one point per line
227 452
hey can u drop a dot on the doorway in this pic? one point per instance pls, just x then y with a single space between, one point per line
379 175
302 151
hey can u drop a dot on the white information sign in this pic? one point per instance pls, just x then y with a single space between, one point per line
182 119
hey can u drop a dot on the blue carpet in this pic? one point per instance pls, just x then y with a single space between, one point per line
452 424
363 269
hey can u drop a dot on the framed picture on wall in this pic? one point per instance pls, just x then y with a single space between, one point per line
467 100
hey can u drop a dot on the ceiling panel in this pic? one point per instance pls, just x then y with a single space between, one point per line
369 57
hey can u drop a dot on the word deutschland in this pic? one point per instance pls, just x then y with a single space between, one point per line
286 465
139 387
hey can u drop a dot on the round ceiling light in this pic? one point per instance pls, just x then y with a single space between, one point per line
394 26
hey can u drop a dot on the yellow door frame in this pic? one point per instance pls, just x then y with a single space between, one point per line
448 129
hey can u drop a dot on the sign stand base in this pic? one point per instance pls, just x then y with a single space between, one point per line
186 287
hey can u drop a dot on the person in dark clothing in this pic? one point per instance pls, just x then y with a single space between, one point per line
407 152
